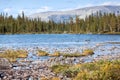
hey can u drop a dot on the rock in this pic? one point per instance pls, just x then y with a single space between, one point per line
4 64
2 74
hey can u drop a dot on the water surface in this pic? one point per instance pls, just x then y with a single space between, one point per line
63 42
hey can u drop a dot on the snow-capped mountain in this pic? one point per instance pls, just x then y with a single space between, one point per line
58 16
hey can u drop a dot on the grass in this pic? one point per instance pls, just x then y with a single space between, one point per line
42 53
43 78
55 78
77 54
59 68
12 55
112 33
58 54
72 55
101 70
55 54
88 52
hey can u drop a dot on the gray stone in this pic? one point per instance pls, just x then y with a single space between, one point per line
4 64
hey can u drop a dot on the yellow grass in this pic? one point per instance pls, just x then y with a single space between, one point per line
101 70
42 53
12 55
55 78
88 52
55 54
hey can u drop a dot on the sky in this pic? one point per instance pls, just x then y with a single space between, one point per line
15 7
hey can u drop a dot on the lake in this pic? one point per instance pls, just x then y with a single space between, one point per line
61 42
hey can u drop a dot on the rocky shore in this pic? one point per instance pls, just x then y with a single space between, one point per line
40 70
34 67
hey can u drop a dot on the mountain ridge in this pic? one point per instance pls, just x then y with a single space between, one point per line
60 16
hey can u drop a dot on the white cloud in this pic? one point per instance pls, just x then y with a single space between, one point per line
90 5
7 10
111 3
37 10
79 6
83 6
43 9
20 11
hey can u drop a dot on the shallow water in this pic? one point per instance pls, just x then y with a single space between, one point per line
51 40
102 44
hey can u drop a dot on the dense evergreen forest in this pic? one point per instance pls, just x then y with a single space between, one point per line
99 23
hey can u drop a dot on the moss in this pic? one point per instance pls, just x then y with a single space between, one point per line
88 52
42 53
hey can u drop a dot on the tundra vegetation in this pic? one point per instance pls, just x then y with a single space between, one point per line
12 55
86 52
101 70
42 53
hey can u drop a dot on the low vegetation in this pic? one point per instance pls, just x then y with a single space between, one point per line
53 78
59 68
88 52
72 55
101 70
58 54
43 78
12 55
42 53
55 54
77 54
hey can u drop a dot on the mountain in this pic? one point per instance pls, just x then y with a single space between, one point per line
58 16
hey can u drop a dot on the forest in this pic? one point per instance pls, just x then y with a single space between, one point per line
96 24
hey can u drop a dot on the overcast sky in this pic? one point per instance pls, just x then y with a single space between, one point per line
15 7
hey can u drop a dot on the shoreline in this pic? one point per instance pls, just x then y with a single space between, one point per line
31 66
108 33
40 69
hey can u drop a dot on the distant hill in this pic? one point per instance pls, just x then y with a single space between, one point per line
58 16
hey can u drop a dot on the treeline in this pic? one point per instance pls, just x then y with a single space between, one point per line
99 23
